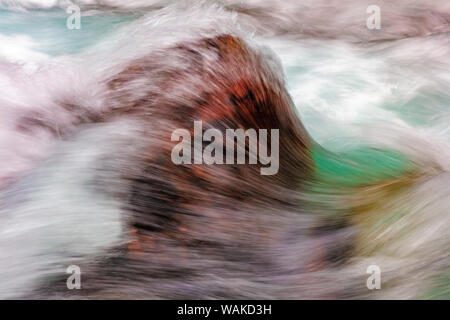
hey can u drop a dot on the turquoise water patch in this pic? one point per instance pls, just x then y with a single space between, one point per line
425 109
359 166
48 29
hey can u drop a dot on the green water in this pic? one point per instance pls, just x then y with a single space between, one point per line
359 166
440 289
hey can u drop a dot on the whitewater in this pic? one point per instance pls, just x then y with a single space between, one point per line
375 105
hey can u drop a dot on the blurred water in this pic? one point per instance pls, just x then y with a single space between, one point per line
379 101
337 85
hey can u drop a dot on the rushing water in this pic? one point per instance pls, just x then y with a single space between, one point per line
376 104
